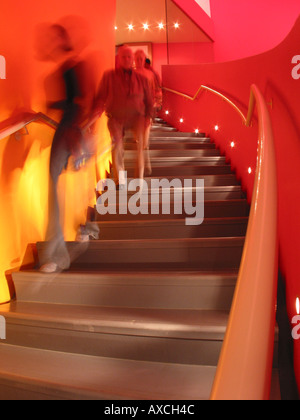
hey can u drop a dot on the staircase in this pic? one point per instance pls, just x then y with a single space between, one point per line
141 314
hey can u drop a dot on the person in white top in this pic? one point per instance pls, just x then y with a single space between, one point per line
140 59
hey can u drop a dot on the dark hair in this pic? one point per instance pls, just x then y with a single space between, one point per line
63 34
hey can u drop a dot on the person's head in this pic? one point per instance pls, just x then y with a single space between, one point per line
52 42
125 56
147 63
139 58
60 38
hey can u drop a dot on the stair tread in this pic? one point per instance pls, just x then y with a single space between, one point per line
149 322
160 243
174 222
145 277
73 376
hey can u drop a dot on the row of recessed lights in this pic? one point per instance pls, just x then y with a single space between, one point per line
146 26
216 128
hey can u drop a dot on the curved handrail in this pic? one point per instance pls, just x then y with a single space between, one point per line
215 92
245 364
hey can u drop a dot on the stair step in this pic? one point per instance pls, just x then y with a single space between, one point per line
181 160
175 137
173 133
163 128
42 374
190 254
156 144
184 170
158 154
209 180
144 289
212 209
157 335
154 195
173 228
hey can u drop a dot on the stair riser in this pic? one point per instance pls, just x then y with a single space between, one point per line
127 292
182 170
156 144
179 160
175 134
140 254
156 202
170 231
209 180
212 209
171 154
119 346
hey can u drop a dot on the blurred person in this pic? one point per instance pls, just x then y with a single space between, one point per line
125 96
140 60
69 140
158 85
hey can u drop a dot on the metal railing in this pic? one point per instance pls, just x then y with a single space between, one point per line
245 366
215 92
13 126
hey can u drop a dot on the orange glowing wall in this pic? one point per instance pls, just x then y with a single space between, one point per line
24 163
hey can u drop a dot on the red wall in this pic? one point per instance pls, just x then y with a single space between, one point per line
243 28
272 72
182 53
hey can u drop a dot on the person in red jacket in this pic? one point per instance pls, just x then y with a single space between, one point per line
126 98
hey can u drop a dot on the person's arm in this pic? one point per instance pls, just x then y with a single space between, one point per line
101 96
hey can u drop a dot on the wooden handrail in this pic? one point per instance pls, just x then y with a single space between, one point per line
245 365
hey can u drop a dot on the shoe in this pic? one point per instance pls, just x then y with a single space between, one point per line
49 268
87 232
